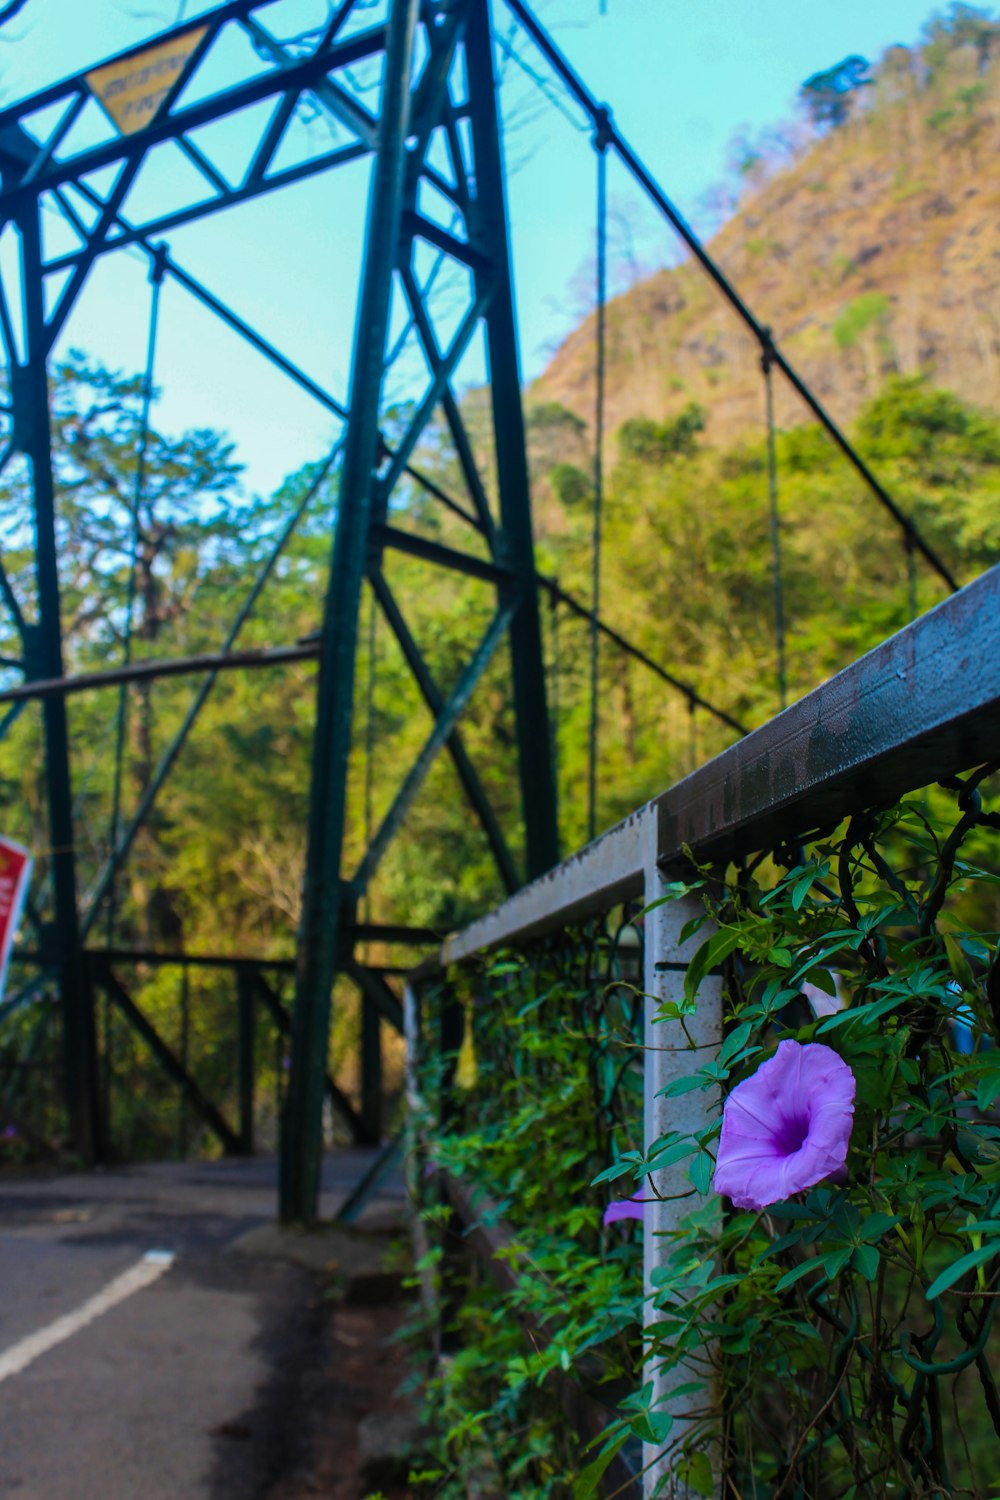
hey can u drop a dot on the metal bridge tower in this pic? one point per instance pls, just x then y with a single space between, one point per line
410 116
433 139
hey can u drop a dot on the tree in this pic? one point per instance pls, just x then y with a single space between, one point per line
655 442
829 96
959 26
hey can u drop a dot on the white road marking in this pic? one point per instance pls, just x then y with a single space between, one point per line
145 1271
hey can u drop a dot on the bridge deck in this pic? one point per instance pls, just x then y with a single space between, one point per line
159 1382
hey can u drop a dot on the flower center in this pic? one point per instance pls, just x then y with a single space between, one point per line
793 1133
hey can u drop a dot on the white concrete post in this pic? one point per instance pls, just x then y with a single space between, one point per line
668 1056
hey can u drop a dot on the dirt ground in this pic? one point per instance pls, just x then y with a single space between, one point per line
356 1381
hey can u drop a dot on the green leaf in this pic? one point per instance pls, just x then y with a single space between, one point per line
699 1474
801 889
835 1260
876 1225
652 1426
711 953
675 891
790 1277
958 1268
589 1478
865 1261
822 979
988 1089
683 1086
690 928
736 1040
700 1172
620 1168
958 963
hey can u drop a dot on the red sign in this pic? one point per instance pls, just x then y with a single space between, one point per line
15 872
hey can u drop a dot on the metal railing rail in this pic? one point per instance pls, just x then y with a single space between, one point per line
919 708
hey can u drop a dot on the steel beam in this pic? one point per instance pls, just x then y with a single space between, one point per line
337 1097
489 231
144 671
371 1067
35 439
171 1064
442 731
319 951
461 760
374 985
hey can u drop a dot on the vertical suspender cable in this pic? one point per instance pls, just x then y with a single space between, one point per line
911 575
766 360
156 274
369 748
601 138
554 684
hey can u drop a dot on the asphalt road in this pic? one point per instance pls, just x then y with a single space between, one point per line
186 1388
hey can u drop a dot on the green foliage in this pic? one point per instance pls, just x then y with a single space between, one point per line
652 442
571 485
552 1088
959 26
865 311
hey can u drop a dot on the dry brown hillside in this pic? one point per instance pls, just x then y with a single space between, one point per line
877 250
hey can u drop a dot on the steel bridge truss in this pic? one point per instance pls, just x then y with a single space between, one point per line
413 91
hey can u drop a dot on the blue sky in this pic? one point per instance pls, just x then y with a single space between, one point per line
680 75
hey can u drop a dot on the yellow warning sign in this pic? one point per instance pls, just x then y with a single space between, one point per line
132 89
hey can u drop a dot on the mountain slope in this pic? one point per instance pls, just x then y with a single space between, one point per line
877 251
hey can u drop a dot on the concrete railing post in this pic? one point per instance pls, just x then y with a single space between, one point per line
669 1056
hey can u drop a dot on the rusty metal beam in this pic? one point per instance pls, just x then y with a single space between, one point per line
179 666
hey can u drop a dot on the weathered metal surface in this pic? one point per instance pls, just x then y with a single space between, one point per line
923 705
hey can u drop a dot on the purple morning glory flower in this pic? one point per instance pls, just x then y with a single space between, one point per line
10 1132
625 1208
787 1127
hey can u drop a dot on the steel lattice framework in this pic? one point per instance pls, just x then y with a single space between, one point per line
429 126
433 139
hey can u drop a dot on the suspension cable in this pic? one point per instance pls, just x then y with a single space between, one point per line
157 271
555 591
766 361
601 138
